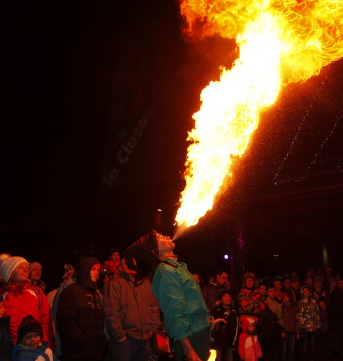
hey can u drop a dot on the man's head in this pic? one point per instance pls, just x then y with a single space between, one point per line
262 289
287 282
295 282
310 272
126 269
317 285
271 291
308 281
277 284
340 284
35 271
165 245
150 249
114 255
328 272
249 282
222 276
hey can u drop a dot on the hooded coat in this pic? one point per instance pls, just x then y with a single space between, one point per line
249 300
22 300
308 312
43 353
249 348
80 317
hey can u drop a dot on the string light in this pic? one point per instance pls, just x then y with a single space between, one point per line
338 118
295 138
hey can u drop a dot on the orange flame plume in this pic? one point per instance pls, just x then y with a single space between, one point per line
279 42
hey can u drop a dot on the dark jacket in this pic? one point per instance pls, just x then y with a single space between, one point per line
43 353
131 309
336 298
5 339
211 292
290 322
80 317
225 334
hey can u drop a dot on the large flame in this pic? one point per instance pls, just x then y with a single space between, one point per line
279 42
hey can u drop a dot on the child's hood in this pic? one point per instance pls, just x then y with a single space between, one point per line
246 321
302 291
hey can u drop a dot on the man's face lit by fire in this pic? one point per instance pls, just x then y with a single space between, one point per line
295 285
165 244
340 285
287 283
222 278
249 283
277 285
35 273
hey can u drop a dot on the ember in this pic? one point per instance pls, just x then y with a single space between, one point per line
280 43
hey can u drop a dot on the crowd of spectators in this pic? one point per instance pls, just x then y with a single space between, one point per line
118 312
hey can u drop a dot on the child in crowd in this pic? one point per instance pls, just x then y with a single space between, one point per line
225 334
249 348
30 347
5 338
291 331
309 322
322 336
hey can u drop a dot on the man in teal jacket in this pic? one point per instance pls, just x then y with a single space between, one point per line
181 301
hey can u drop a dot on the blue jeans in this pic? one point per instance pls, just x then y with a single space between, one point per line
287 348
130 350
224 353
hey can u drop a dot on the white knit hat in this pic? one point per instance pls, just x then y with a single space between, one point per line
8 265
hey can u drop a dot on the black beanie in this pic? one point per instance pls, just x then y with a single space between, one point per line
145 252
29 324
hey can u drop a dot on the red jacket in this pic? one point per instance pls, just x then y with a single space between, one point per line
23 300
249 348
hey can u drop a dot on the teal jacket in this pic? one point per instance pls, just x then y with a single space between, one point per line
180 299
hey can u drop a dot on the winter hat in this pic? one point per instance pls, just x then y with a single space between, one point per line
246 276
146 250
34 264
8 265
29 324
67 269
114 250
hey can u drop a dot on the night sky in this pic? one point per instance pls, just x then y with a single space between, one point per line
58 67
